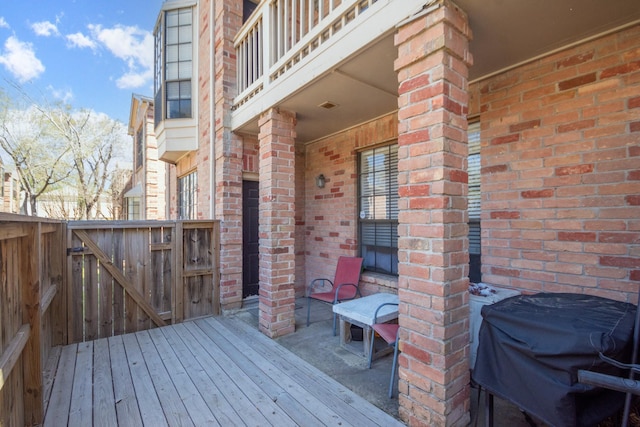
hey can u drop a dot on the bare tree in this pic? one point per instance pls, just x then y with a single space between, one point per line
56 149
39 159
92 139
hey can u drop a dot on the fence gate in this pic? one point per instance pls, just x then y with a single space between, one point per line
128 276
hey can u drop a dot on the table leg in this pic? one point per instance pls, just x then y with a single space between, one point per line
367 336
345 331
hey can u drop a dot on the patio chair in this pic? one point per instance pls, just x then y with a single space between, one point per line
389 333
345 285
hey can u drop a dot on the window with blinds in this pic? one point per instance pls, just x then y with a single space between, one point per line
474 200
378 207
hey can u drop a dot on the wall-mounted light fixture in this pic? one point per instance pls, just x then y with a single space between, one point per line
320 180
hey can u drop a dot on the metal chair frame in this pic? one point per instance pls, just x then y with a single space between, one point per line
378 327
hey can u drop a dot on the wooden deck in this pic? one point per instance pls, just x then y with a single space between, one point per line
212 371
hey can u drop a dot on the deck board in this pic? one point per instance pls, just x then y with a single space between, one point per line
80 413
186 389
126 404
148 402
104 409
60 400
206 384
213 371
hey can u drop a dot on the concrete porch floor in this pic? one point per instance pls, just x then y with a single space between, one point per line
317 345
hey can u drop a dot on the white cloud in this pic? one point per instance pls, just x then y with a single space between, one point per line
4 23
19 59
134 46
64 95
79 40
45 29
133 80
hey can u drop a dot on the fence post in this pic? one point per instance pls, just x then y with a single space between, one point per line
178 264
30 262
215 241
59 305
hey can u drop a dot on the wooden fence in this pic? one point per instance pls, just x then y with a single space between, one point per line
130 276
69 282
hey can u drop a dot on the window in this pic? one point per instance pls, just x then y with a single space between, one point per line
174 65
378 206
133 208
157 102
178 64
474 199
187 196
139 146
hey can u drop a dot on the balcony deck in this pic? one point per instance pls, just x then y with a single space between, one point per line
212 371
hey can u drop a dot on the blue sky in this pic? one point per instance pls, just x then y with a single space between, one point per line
88 53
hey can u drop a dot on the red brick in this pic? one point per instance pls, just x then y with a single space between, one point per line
565 236
458 176
414 83
494 169
632 200
625 262
413 137
415 352
573 170
635 275
570 127
627 68
505 272
414 190
536 194
577 81
574 60
531 124
505 139
619 238
634 102
634 127
505 215
428 203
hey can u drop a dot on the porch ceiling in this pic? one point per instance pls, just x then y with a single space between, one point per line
505 33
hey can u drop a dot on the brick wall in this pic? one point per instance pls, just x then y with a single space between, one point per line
250 150
203 160
561 171
227 154
330 213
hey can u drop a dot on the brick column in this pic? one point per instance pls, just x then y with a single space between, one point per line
432 66
228 156
277 223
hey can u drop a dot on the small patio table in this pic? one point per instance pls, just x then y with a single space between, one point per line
360 312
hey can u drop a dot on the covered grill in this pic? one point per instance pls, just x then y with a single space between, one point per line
532 346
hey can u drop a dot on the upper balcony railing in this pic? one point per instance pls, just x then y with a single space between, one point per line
281 33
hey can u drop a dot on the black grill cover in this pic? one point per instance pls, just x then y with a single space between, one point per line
531 348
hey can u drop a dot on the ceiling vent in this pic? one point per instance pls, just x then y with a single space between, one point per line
328 105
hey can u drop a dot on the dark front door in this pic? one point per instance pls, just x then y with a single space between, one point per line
249 238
